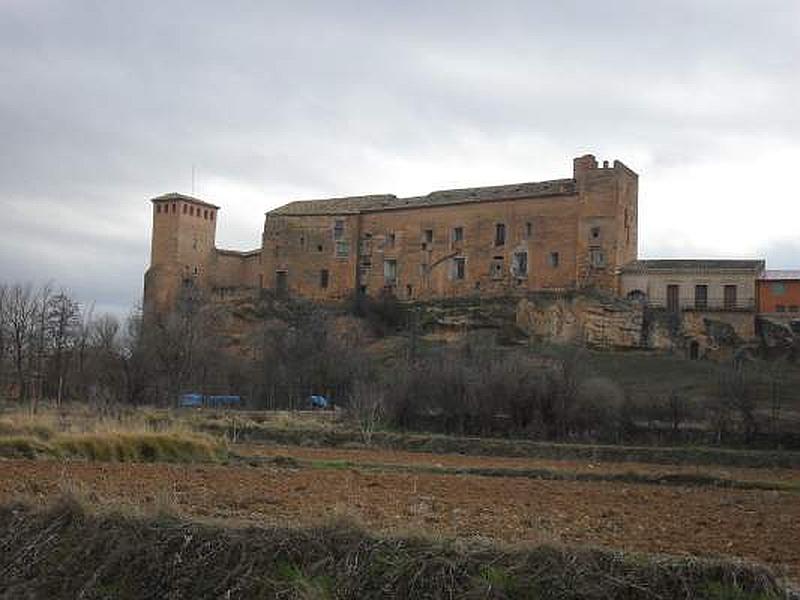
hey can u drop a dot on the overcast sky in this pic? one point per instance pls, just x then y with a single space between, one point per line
106 104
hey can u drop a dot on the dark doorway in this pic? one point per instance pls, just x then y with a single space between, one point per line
281 283
694 350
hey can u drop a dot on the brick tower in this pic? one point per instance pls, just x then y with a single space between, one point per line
182 248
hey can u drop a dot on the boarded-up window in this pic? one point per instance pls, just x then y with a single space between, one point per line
730 297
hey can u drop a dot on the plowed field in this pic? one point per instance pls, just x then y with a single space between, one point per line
751 524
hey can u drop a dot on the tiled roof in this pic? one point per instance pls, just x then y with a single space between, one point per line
778 274
693 265
360 204
184 198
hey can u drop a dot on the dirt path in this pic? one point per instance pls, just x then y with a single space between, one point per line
390 457
757 525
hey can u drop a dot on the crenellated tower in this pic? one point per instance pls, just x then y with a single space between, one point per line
182 249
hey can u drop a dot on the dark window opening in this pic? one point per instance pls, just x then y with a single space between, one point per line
496 269
673 298
694 350
520 264
391 240
701 297
319 247
458 234
323 278
529 230
409 291
554 259
428 236
500 234
595 233
174 208
459 268
211 215
281 282
158 208
185 208
191 211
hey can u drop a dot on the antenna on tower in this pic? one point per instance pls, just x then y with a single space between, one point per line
193 170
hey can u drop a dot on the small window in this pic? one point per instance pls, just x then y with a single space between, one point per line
319 247
191 211
158 208
729 297
323 278
529 230
459 267
195 270
409 291
205 215
778 288
701 297
554 259
458 234
595 233
342 248
500 234
338 229
496 268
174 208
185 208
793 308
428 236
390 240
211 215
520 265
597 257
390 271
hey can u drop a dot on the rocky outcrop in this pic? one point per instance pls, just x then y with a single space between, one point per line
594 320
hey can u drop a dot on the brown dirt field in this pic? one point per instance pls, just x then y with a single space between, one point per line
758 525
391 457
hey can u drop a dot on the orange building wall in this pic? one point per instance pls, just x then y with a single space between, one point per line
769 300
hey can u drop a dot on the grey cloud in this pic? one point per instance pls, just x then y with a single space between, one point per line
105 104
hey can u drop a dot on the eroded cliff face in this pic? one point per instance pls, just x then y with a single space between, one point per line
613 323
597 322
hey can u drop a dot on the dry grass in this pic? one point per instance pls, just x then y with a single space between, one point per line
129 436
68 552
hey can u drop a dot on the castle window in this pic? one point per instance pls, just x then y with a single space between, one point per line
158 208
174 208
496 268
459 267
323 278
458 234
597 257
729 297
391 239
520 264
319 247
185 208
205 215
342 249
529 230
191 211
500 234
390 271
211 215
338 229
701 297
428 236
595 233
554 259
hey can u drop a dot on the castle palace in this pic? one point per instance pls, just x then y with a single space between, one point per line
505 240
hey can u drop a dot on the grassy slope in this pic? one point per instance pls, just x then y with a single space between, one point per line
66 553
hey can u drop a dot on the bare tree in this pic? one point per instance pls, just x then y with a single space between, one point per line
365 408
63 323
22 305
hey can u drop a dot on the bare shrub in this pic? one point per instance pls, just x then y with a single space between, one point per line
365 408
